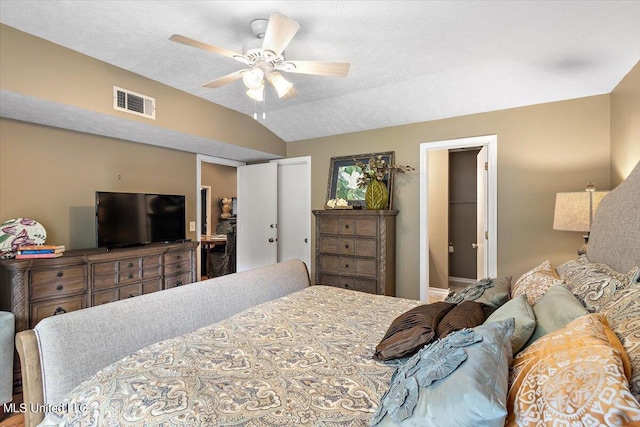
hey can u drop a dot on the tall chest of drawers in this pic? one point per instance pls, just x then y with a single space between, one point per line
356 249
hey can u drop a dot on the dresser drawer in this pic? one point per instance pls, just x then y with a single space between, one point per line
105 282
128 276
105 268
353 283
348 265
152 261
103 297
43 309
349 226
179 257
52 283
152 286
177 280
130 291
348 246
176 268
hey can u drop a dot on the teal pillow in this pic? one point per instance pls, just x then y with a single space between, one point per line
519 309
554 311
475 394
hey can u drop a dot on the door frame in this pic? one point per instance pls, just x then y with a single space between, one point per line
491 142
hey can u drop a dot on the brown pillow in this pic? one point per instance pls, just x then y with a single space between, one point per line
410 331
467 314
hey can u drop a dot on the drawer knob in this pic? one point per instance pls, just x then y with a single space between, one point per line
346 226
130 276
346 285
131 296
130 264
346 266
179 266
60 274
59 310
178 257
179 283
59 287
346 246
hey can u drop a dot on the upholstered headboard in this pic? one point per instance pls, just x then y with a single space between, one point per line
615 232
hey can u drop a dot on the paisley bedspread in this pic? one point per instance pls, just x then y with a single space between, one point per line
304 359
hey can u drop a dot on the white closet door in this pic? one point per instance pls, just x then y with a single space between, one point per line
256 231
294 209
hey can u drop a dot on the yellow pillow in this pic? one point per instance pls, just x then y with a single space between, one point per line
575 376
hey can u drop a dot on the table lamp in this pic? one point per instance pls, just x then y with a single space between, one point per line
574 211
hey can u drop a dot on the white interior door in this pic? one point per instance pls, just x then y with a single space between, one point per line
481 215
257 220
294 209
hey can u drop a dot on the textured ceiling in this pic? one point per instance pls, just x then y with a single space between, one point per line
411 61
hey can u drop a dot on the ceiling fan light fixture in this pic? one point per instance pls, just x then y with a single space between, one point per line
256 94
253 79
281 85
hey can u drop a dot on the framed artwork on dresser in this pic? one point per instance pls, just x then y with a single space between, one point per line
344 174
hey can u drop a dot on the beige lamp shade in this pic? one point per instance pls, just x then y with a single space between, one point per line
574 211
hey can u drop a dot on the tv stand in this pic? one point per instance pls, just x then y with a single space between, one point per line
36 288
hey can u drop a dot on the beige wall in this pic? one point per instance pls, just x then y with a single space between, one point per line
51 175
223 182
542 149
35 67
439 218
625 126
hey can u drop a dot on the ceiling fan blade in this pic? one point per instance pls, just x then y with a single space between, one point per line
215 49
336 69
280 32
225 79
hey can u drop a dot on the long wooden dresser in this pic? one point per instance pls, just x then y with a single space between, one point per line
356 249
33 289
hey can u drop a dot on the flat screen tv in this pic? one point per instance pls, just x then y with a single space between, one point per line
131 219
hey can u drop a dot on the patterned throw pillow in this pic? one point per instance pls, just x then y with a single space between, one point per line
572 267
594 284
535 282
492 292
623 315
575 376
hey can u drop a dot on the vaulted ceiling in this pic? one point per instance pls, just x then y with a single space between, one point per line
411 61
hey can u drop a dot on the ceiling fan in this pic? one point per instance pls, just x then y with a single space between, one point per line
265 61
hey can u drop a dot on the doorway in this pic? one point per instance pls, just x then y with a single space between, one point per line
434 238
221 186
205 210
463 246
292 184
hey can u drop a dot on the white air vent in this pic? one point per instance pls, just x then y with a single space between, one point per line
134 103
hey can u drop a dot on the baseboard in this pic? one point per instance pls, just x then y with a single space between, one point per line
438 293
462 280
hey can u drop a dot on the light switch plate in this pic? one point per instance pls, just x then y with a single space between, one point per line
192 226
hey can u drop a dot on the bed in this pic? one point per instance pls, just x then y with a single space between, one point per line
315 355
